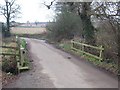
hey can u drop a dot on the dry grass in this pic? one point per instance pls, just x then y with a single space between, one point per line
23 30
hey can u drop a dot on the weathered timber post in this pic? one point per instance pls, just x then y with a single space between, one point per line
83 49
101 50
22 56
72 43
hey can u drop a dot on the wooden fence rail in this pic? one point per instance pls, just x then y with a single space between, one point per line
100 49
8 47
8 54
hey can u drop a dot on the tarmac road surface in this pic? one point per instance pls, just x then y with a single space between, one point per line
53 68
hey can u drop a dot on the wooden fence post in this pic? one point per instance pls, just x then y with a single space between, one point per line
73 43
83 49
22 56
101 52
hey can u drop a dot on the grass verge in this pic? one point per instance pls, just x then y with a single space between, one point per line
111 67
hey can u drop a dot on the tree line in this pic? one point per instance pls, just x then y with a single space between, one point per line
95 23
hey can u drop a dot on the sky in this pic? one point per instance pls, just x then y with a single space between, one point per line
32 10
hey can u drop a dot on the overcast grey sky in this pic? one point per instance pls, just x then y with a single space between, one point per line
32 10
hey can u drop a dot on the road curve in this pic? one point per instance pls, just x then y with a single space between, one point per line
61 71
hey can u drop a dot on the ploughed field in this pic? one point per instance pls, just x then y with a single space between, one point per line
28 30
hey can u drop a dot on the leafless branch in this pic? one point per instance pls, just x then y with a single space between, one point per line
49 6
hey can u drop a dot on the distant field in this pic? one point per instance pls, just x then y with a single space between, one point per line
25 30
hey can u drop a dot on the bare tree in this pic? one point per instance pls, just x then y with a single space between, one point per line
10 10
49 6
108 11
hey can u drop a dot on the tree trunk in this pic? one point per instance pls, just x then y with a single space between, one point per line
8 21
88 28
8 28
118 45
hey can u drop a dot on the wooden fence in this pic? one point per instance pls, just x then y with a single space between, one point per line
20 51
100 49
22 54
